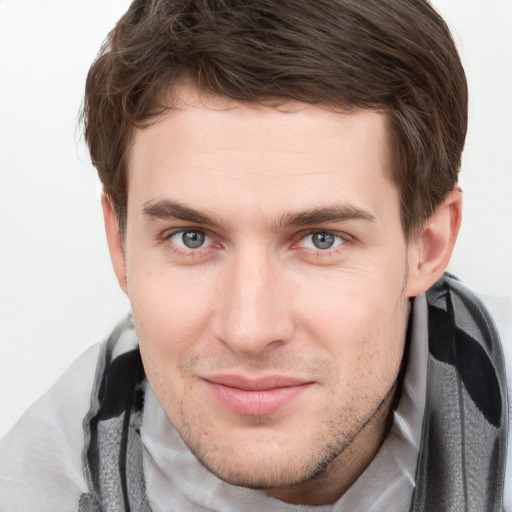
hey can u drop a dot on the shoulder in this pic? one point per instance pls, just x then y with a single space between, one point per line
500 309
501 312
42 455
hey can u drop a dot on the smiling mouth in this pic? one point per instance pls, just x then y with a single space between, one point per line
255 397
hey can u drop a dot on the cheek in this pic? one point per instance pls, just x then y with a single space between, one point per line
167 298
169 322
171 316
361 323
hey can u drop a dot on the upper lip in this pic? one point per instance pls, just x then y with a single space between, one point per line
257 383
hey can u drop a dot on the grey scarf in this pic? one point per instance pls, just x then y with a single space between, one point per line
461 462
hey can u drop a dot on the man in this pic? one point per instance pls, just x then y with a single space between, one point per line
280 203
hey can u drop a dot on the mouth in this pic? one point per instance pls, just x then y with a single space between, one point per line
255 397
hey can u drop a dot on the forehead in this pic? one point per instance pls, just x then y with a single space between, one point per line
291 155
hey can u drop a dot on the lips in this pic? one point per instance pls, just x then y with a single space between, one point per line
255 397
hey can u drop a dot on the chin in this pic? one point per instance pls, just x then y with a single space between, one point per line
267 461
262 475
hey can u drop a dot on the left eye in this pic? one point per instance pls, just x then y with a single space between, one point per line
321 240
190 239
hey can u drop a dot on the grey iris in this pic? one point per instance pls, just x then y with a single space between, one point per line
323 240
193 239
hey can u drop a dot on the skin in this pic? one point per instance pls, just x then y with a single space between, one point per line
257 298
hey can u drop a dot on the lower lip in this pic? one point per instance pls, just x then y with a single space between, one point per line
255 403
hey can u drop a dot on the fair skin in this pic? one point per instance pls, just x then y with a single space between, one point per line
269 278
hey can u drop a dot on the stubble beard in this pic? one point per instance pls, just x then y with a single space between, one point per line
306 464
293 468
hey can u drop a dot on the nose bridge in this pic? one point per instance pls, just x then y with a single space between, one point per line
254 312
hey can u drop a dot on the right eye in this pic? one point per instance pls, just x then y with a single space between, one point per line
190 239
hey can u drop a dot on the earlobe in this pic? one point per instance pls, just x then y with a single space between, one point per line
430 253
114 240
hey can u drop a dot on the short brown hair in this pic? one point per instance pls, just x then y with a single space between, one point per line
395 56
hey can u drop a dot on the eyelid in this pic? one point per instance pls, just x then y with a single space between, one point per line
340 234
167 233
180 242
166 236
346 241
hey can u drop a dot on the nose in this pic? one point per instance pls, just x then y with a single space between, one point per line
253 311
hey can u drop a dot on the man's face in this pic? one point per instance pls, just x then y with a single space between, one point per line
267 271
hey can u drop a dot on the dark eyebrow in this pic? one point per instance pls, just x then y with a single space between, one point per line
335 213
166 210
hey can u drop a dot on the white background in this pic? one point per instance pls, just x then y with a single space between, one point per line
57 291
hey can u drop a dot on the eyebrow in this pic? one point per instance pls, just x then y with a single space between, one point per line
169 210
334 213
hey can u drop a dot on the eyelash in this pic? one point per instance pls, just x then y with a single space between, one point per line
203 251
319 253
186 252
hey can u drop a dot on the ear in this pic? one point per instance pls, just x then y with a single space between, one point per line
429 254
115 243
